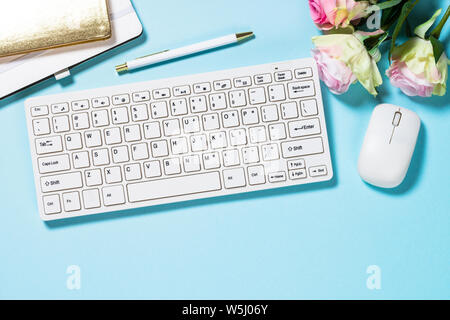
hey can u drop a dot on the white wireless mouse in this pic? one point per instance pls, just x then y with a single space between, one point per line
388 145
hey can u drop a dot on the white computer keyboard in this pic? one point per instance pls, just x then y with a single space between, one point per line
178 139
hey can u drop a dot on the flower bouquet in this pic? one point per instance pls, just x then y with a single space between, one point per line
354 30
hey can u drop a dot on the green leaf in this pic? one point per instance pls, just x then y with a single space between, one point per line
390 15
406 10
421 30
438 48
437 31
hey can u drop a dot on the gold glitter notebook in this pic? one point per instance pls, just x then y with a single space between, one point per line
30 25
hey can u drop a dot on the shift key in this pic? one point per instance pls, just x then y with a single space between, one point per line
298 148
61 182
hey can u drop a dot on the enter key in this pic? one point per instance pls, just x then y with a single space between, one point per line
301 128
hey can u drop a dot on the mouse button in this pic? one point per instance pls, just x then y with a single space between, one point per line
397 118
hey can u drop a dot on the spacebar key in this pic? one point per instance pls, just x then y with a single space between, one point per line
173 187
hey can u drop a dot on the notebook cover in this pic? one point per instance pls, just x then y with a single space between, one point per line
20 71
36 25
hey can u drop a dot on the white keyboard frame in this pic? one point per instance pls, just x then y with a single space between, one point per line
321 159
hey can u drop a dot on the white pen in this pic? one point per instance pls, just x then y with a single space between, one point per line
183 51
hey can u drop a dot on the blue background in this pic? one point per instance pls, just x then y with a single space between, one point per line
311 241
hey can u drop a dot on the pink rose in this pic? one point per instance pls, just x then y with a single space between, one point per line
328 14
334 73
411 84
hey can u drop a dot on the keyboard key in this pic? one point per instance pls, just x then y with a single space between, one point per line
48 145
218 140
100 157
269 113
256 175
263 78
141 96
250 155
257 134
152 130
161 93
120 99
80 105
303 73
276 93
308 107
230 158
270 152
159 149
113 175
202 87
237 98
297 174
257 95
283 75
277 131
181 91
139 112
171 127
152 169
301 89
234 178
100 118
191 124
100 102
318 171
120 154
113 195
80 121
71 201
198 104
172 166
210 121
80 160
279 176
73 141
61 182
222 85
178 107
61 124
93 138
132 172
211 160
41 127
91 198
60 108
242 82
139 151
112 136
303 147
132 133
173 187
39 111
250 116
54 163
217 101
289 110
238 137
93 177
230 119
179 145
302 128
158 109
119 115
51 204
296 164
199 143
191 163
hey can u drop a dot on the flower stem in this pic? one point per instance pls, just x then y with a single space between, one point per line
437 31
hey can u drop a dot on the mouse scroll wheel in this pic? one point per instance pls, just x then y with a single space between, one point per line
397 118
